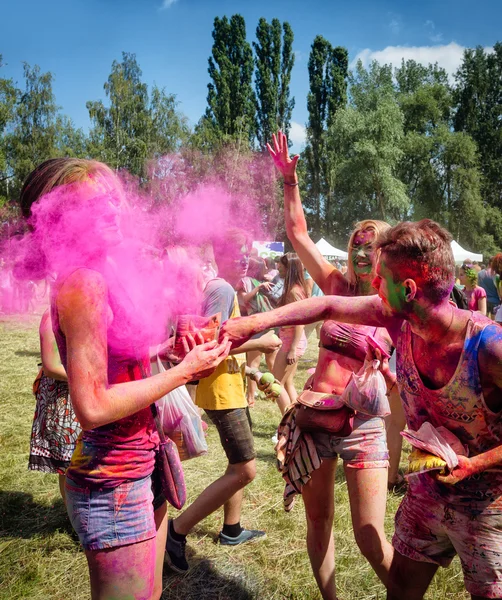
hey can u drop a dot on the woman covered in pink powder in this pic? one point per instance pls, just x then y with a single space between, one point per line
108 482
343 349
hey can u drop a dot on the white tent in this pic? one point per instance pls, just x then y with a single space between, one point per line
460 254
329 251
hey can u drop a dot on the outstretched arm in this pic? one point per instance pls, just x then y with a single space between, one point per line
364 310
327 277
82 305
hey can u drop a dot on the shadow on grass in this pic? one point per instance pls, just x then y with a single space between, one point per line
203 580
21 517
27 352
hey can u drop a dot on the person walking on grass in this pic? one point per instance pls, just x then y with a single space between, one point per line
223 398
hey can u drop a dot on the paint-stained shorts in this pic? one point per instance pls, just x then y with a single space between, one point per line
364 448
112 517
236 437
429 530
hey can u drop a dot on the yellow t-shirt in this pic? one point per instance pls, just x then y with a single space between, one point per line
223 389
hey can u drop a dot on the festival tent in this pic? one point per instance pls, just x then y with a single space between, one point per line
460 254
329 251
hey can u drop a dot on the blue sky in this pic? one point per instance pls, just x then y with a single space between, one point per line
78 40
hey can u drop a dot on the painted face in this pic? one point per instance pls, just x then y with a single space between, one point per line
461 276
235 264
105 203
362 253
393 295
282 269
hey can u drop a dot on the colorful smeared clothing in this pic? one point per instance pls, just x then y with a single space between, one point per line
459 406
436 521
107 456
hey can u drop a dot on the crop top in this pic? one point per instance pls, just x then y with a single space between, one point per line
350 340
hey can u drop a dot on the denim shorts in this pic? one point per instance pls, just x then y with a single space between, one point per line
364 448
112 517
236 436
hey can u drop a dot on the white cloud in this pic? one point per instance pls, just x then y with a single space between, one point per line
167 4
447 56
297 135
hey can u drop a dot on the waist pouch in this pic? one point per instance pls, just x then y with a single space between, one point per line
326 413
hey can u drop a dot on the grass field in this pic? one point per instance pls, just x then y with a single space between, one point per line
40 559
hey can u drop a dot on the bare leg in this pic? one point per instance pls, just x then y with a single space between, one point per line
285 374
223 491
160 516
124 572
396 422
368 495
270 360
319 499
409 578
253 360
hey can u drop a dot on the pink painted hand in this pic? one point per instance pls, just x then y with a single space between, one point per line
280 156
466 467
237 330
203 359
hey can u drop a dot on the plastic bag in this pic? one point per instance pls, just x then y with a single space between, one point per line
366 391
438 441
181 421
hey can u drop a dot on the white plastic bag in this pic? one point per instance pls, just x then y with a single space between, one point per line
366 391
181 420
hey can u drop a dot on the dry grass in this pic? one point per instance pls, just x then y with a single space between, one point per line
41 560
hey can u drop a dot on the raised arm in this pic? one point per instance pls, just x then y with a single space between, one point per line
82 305
327 277
363 310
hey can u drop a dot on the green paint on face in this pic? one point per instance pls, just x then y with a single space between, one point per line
392 294
362 253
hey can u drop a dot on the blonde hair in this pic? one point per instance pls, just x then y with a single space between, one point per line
367 225
55 172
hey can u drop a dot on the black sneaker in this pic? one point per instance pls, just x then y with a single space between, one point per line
175 551
246 535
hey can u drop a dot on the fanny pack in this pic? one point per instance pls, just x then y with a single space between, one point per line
327 413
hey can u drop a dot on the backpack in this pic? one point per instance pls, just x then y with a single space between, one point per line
460 299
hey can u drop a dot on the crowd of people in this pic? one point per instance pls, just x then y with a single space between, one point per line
94 424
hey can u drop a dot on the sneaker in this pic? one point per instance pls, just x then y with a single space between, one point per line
175 551
246 535
274 439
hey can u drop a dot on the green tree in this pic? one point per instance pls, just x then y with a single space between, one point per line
135 126
231 102
328 71
478 96
38 131
274 63
8 98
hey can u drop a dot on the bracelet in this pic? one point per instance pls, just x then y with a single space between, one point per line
291 184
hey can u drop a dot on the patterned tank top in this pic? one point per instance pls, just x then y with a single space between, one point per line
460 407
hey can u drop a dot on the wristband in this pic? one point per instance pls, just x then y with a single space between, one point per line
291 184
